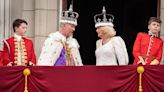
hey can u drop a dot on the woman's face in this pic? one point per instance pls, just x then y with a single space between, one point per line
154 27
100 32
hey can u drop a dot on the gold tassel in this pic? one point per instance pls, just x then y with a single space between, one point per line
26 73
140 70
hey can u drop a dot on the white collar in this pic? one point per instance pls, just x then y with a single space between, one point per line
58 36
61 36
152 34
18 37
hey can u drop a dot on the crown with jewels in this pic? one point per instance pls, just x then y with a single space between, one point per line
103 19
69 16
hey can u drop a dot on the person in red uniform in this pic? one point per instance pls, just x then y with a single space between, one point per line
147 49
18 50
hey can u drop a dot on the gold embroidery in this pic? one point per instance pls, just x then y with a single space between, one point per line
15 62
68 55
23 52
15 54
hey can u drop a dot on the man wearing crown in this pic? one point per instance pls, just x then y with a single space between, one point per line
18 50
147 49
60 48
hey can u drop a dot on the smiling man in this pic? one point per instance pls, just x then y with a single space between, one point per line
60 48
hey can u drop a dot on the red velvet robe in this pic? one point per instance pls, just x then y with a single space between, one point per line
12 55
146 45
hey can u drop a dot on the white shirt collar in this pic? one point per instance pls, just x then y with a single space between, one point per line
18 37
153 35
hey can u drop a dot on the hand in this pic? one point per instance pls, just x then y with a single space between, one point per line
154 62
30 64
141 60
10 64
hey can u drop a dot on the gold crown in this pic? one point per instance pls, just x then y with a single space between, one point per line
69 16
103 19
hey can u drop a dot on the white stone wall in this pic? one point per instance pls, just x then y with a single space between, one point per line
46 21
1 22
5 20
42 17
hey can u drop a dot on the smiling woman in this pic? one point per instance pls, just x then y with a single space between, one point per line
131 16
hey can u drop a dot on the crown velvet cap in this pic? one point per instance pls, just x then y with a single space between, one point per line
69 16
103 19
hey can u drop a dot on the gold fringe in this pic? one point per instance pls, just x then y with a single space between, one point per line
140 70
26 73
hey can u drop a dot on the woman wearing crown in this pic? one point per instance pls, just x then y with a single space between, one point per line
60 48
147 49
18 50
110 49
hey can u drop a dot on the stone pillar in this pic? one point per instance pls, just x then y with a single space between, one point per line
46 21
5 20
28 13
162 26
2 2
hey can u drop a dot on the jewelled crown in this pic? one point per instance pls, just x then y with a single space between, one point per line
103 19
69 16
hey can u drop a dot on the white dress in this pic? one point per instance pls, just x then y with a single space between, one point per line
106 53
53 46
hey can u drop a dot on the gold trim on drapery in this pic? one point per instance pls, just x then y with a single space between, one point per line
140 70
26 73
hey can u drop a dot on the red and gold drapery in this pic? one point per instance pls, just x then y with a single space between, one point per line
82 79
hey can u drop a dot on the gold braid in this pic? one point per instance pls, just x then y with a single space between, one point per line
69 58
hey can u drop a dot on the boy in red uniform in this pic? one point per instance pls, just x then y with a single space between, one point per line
19 50
147 49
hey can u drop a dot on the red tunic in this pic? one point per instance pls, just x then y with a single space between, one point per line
148 46
28 54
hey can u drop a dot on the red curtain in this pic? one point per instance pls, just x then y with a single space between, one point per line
82 79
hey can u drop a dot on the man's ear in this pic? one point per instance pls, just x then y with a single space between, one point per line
16 28
148 26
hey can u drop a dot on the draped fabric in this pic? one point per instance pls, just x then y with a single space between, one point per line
61 60
82 79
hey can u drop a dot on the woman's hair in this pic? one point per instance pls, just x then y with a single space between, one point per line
108 30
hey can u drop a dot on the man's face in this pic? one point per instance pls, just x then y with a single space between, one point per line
154 27
21 29
69 29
